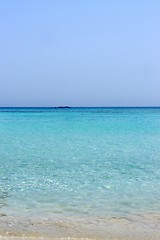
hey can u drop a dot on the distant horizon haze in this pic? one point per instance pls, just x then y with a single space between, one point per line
63 107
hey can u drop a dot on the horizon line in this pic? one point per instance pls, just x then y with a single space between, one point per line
68 107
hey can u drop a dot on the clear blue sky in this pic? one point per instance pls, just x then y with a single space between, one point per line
79 52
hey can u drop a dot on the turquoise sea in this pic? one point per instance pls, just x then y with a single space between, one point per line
79 161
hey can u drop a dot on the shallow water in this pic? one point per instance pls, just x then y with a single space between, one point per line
79 161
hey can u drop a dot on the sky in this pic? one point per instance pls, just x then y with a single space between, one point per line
79 53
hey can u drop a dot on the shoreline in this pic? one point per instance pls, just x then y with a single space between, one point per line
135 227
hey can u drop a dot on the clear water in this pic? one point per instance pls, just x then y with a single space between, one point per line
93 161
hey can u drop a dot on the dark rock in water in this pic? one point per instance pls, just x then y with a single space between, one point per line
2 214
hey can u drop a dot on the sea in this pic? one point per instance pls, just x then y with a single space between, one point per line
79 161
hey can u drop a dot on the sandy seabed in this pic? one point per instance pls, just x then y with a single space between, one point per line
134 227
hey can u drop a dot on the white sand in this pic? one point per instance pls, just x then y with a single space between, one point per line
139 227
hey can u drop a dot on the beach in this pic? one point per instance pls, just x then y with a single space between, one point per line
79 120
80 173
129 228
